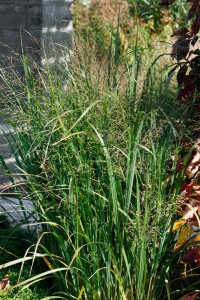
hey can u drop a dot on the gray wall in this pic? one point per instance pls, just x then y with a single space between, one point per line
56 25
49 20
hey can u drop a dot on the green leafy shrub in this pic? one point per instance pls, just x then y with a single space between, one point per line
34 293
151 12
14 242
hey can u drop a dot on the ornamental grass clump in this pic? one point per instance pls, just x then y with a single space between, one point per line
93 159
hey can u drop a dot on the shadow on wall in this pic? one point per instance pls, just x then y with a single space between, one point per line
29 22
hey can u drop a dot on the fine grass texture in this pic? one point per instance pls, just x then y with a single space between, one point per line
93 159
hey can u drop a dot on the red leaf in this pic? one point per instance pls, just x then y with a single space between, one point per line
187 92
193 166
197 258
171 72
189 79
198 17
180 31
194 40
195 27
192 11
181 74
188 257
190 297
181 47
187 187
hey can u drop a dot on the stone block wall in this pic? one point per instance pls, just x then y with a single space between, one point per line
19 21
23 21
56 24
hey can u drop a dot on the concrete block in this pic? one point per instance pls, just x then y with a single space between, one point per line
54 15
60 37
31 41
12 41
34 17
28 2
57 2
12 16
35 2
20 2
6 1
47 19
5 7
